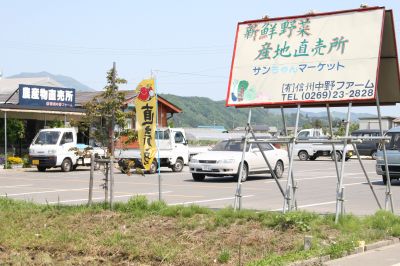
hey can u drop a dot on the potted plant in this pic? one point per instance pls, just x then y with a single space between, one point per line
14 162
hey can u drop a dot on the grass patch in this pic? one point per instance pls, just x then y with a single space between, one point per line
142 232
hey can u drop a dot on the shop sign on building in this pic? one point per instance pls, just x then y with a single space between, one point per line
33 95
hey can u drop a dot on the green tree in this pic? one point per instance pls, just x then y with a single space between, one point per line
15 131
100 110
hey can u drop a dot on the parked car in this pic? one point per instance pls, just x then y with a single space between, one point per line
225 157
368 147
393 156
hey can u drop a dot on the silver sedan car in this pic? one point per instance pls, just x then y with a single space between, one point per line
225 157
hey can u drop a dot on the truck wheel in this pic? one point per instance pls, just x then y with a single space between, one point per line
373 155
178 166
153 167
66 165
384 179
41 169
279 169
338 156
198 177
312 158
303 155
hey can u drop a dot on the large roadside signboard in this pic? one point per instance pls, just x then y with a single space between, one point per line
308 60
33 95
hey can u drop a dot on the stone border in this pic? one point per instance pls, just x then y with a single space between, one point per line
361 249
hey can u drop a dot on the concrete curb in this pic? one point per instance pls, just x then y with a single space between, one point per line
362 249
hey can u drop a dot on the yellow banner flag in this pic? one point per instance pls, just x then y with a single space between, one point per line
146 116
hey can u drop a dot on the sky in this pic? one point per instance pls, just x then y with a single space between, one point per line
186 45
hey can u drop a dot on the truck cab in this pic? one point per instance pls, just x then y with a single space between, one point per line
393 156
54 147
172 152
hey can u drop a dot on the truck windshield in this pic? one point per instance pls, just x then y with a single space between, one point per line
47 137
394 143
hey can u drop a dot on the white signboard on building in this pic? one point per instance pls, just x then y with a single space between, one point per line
307 60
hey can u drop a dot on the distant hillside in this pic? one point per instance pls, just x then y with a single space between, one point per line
64 80
198 111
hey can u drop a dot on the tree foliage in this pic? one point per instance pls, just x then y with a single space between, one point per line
100 110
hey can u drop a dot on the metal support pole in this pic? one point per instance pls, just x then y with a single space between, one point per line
366 175
5 140
288 199
92 164
388 192
333 145
268 164
294 184
159 178
340 190
238 194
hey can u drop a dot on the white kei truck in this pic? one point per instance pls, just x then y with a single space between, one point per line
311 151
173 152
56 147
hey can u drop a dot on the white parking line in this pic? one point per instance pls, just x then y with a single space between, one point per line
102 198
210 200
323 177
311 205
41 192
16 186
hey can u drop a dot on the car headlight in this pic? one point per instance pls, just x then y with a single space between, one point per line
52 151
194 160
226 161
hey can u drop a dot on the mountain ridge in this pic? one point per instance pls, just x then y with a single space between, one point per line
66 81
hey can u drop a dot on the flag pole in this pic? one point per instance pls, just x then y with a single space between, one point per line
158 141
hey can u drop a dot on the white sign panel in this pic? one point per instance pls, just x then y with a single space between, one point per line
324 58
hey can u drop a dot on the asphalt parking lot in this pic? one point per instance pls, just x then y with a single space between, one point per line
316 188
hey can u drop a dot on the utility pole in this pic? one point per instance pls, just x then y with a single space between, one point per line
112 141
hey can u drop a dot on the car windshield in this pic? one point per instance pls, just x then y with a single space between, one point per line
229 145
47 137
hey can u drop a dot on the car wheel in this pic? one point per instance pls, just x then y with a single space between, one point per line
198 177
66 165
312 158
41 169
153 167
303 155
279 169
338 156
373 155
178 166
245 173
